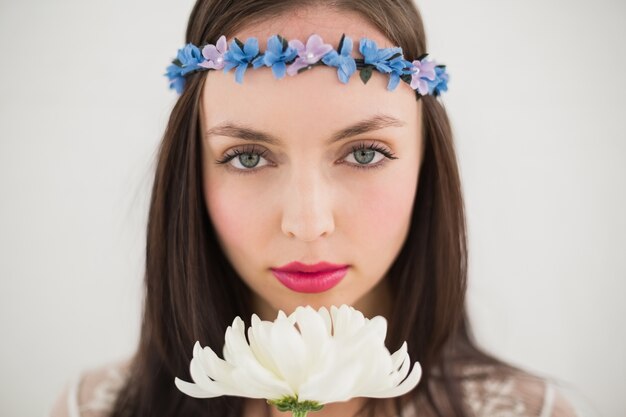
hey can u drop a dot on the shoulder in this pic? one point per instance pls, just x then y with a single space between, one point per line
92 393
498 390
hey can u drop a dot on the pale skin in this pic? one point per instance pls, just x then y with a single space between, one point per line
306 200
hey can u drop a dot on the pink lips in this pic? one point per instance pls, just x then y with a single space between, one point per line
310 278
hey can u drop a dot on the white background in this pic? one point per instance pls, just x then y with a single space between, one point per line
537 105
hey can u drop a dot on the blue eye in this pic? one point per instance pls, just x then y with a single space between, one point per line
248 159
364 154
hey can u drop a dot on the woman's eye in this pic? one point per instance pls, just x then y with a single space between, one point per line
364 156
243 160
247 160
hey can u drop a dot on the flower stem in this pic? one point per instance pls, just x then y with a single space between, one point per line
298 409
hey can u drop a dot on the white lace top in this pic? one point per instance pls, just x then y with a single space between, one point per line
92 394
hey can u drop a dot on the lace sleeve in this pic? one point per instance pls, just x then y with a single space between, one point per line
514 394
548 401
66 404
562 400
92 393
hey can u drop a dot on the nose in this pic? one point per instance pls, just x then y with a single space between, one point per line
307 207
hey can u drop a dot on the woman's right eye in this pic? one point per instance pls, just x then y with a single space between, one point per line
244 160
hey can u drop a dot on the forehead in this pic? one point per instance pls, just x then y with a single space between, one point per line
313 98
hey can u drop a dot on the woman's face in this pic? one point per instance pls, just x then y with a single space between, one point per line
305 197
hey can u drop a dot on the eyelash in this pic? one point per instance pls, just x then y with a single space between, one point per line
374 146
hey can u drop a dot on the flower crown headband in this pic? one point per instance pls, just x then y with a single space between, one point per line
293 57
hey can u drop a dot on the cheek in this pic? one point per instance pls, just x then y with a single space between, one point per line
237 224
380 217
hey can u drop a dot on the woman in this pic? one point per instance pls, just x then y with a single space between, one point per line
257 175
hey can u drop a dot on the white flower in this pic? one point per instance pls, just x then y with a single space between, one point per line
309 357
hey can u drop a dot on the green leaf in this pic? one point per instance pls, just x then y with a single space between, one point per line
317 407
284 42
239 43
365 74
283 407
304 69
406 78
343 35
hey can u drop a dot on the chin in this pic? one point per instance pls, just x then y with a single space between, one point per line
316 301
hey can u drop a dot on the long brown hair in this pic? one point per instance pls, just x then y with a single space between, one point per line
193 293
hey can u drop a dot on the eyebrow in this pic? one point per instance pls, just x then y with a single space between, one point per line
376 122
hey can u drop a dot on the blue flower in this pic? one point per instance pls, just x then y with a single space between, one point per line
386 60
240 55
440 83
186 61
346 65
378 57
177 81
275 57
399 66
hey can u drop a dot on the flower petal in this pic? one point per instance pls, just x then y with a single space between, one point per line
398 356
193 390
278 69
314 334
346 47
248 368
259 335
289 352
315 41
215 367
221 44
394 80
335 378
251 48
400 374
325 314
407 385
293 68
298 46
199 376
331 58
241 69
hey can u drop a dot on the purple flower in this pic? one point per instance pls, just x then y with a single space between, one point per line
240 55
278 52
315 49
346 65
424 72
214 55
187 60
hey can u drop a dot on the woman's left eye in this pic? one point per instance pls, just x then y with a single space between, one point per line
364 154
248 159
